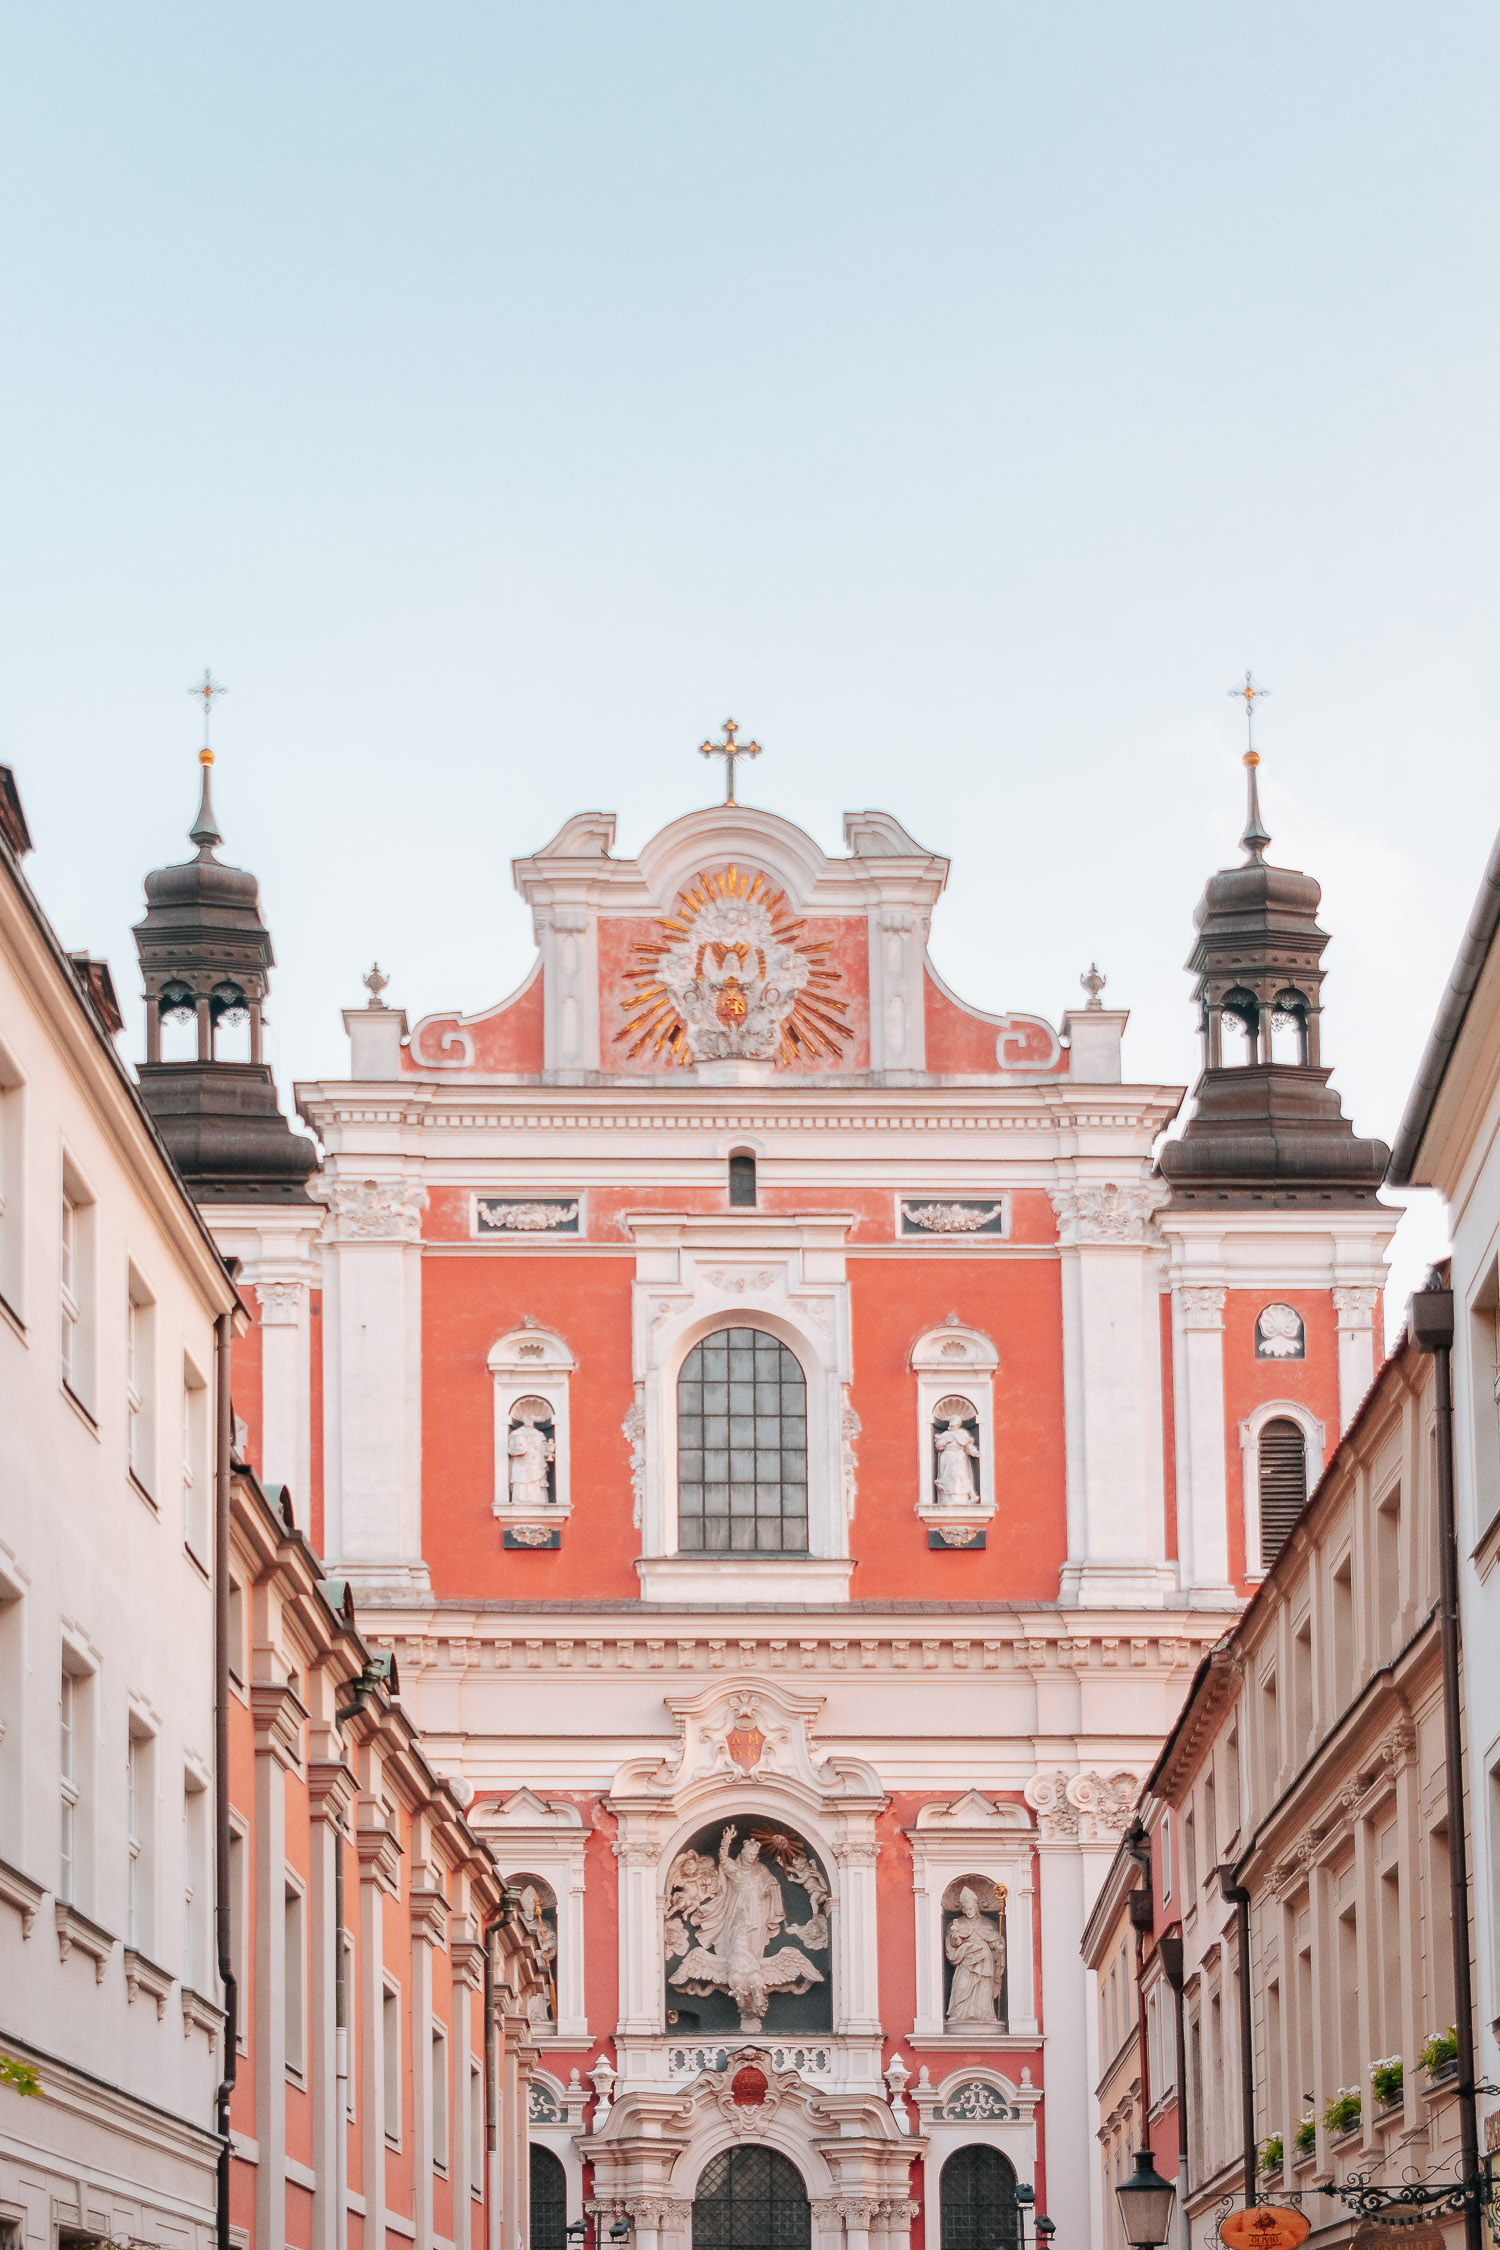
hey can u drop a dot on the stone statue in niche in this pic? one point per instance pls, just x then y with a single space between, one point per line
727 1920
955 1454
538 1918
532 1447
974 1950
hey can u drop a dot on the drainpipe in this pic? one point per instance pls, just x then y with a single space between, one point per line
1430 1323
1239 1898
1169 1946
223 1439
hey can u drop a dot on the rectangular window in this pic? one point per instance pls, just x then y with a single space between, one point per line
75 1781
1388 1574
476 2127
140 1383
236 1632
1302 1691
1165 1833
439 2096
1190 1855
239 1923
1270 1739
344 2013
140 1836
197 1482
1210 1827
1273 2049
390 2057
1232 1813
1391 1958
296 1982
1167 2000
197 1971
1439 1932
1342 1591
12 1186
12 1717
75 1274
1351 2061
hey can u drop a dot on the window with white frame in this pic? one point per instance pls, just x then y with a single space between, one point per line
197 1480
75 1286
239 1906
12 1709
344 2010
476 2127
197 1968
1164 1831
75 1779
140 1835
12 1184
140 1382
439 2098
1281 1449
741 1446
295 1925
390 2060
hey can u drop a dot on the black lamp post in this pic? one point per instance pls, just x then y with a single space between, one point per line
1145 2202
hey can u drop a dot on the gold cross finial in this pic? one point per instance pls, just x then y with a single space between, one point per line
1250 695
729 749
207 688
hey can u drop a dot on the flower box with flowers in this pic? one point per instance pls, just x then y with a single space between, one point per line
1439 2057
1343 2114
1387 2083
1305 2141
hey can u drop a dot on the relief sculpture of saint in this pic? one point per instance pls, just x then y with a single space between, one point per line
724 1915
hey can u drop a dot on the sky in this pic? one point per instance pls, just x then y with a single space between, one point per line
961 395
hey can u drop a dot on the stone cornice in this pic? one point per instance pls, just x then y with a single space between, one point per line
279 1712
332 1791
379 1859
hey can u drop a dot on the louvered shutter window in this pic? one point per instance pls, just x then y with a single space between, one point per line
1283 1485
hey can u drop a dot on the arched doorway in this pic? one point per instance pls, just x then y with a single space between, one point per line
978 2196
549 2200
750 2199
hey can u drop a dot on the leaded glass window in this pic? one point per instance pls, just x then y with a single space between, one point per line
751 2198
978 2195
741 1446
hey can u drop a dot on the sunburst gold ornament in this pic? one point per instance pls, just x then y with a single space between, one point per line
731 972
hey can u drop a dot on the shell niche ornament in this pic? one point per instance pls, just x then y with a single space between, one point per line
731 974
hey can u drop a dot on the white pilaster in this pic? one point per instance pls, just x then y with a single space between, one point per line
1355 1306
1112 1394
372 1323
567 937
1198 1415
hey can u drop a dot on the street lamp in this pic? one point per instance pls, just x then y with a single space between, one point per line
577 2231
1145 2202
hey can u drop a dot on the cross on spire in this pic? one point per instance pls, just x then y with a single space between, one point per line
729 749
1250 695
1255 839
207 688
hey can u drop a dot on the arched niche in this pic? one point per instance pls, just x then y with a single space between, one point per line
531 1369
747 1930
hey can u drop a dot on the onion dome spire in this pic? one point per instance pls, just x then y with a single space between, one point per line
1256 837
205 829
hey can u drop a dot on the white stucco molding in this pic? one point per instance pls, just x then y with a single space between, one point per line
743 1745
973 1835
531 1362
977 2103
697 1272
960 1362
1315 1440
546 1836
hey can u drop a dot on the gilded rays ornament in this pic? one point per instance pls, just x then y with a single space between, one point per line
732 973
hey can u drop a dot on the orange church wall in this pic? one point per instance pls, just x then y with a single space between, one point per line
466 1304
506 1038
607 1209
1313 1382
247 1378
959 1039
620 934
1017 1302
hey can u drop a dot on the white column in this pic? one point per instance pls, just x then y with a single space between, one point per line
858 1946
1066 1890
1198 1414
1355 1307
372 1321
1112 1394
640 1945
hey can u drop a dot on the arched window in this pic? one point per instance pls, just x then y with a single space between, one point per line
741 1446
754 2196
1283 1484
1289 1027
978 2191
1239 1027
549 2200
741 1177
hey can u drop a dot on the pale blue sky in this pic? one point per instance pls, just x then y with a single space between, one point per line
962 395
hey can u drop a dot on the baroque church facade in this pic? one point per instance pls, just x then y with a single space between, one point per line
797 1432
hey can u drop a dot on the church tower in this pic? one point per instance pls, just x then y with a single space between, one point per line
1277 1236
205 956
